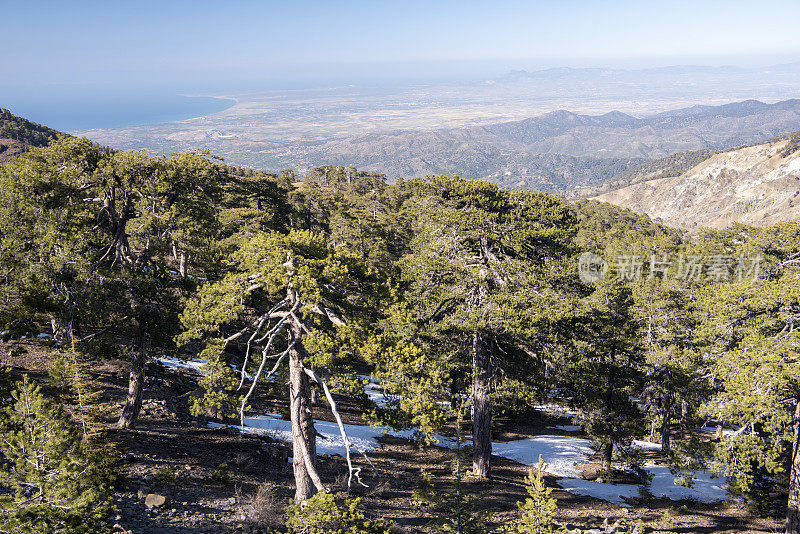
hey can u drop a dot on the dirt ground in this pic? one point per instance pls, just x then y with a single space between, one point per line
217 480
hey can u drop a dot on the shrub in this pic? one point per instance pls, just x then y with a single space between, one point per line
538 510
218 383
262 508
323 514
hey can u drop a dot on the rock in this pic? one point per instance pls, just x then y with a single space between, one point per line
231 500
154 500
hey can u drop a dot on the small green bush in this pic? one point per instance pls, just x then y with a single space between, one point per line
323 514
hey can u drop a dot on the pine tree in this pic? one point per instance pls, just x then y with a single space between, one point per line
51 468
538 510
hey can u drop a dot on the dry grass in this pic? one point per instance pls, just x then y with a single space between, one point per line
262 508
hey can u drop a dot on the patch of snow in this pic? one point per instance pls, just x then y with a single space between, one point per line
613 493
556 409
706 487
44 336
375 392
329 440
712 430
646 445
174 363
562 453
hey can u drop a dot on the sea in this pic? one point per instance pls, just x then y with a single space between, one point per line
78 112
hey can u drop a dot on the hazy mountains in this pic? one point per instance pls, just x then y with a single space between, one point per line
503 129
757 185
561 151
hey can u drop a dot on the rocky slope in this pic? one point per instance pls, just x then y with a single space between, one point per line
757 185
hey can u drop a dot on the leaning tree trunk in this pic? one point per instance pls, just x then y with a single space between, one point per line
304 437
793 507
133 402
481 407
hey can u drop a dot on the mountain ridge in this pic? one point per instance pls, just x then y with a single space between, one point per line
757 185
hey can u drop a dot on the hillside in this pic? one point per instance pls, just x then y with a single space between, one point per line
544 152
556 151
673 165
756 185
18 135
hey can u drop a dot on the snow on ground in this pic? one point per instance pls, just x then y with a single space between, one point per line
613 493
175 363
562 453
705 489
375 392
556 409
712 430
363 437
646 445
194 365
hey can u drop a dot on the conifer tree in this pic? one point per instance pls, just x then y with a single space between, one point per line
57 484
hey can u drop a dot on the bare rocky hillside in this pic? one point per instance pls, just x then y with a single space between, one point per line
757 185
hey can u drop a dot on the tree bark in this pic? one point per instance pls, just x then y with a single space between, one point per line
684 419
133 402
481 407
608 452
793 506
302 420
665 426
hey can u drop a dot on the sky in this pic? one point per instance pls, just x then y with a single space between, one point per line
199 44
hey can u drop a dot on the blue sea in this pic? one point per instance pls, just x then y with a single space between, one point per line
71 112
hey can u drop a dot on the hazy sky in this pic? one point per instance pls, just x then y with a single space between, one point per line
69 42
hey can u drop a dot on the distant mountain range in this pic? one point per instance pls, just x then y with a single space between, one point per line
756 185
560 151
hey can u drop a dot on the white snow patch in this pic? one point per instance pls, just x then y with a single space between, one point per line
706 487
613 493
556 409
174 363
712 430
375 392
363 437
646 445
562 453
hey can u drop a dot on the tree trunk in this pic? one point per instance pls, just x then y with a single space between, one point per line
481 407
133 402
684 419
665 425
793 507
608 451
182 264
302 421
